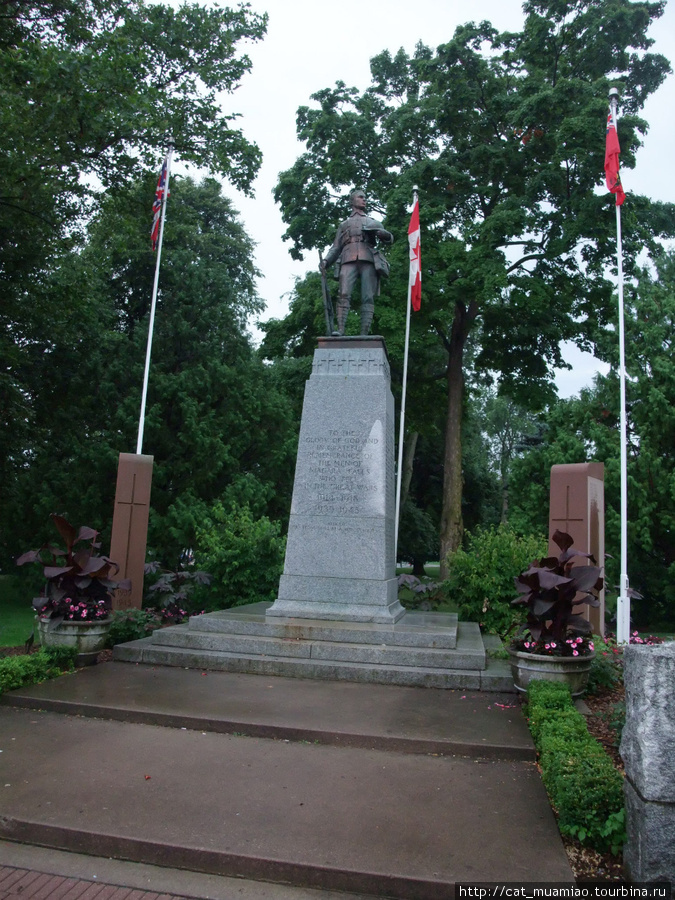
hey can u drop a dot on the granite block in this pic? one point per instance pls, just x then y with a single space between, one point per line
649 852
381 654
648 738
340 551
232 643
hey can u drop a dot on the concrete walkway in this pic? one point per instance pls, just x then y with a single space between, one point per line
373 789
41 873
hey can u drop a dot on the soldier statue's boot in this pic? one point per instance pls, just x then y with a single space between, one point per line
366 319
342 311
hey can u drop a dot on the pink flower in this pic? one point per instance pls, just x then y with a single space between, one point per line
591 645
548 646
575 652
553 644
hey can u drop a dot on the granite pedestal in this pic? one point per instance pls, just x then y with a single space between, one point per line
340 561
337 616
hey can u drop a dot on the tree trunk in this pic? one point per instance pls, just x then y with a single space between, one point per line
418 567
505 503
408 457
451 517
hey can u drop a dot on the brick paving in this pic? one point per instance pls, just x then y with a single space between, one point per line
38 886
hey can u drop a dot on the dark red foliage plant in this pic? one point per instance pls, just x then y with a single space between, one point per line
78 582
553 589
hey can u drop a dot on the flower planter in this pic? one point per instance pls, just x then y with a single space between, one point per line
87 637
571 670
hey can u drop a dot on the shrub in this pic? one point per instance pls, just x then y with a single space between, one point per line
179 593
419 593
549 694
583 785
568 721
481 578
15 671
131 625
244 555
588 793
606 669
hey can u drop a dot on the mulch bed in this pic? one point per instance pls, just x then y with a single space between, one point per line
587 864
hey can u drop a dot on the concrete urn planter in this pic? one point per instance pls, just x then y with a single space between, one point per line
571 670
87 637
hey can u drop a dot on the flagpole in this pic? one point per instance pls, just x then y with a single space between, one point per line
623 601
153 305
399 471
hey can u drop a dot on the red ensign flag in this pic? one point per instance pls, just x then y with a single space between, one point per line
612 151
157 206
415 258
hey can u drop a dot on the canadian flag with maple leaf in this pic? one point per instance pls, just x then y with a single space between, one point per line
612 151
415 281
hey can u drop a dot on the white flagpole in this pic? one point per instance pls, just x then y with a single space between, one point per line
153 305
623 602
399 471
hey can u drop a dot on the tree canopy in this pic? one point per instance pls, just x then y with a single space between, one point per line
211 402
504 135
89 92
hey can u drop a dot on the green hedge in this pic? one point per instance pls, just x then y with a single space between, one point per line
15 671
583 785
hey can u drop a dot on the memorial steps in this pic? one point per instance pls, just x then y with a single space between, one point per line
375 789
421 649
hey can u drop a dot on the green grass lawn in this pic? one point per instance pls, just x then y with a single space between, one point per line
432 569
16 612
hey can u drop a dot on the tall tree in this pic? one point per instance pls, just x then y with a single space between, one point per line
586 429
89 92
504 134
212 403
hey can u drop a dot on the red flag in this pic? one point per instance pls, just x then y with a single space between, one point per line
157 206
612 151
415 277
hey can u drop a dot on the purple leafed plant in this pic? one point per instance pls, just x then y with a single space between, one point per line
553 589
78 582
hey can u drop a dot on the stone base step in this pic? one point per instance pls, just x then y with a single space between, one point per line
495 677
469 655
414 629
298 668
422 649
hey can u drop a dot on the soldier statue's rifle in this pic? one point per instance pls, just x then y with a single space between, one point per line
327 303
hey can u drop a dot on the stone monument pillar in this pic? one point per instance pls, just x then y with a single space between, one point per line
340 553
648 752
130 526
577 506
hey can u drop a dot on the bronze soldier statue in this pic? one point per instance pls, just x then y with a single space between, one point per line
356 254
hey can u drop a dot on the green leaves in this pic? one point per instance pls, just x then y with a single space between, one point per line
89 92
504 134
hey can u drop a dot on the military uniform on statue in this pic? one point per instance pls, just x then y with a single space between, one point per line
355 252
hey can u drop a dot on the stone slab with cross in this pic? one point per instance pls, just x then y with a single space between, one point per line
577 506
130 525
